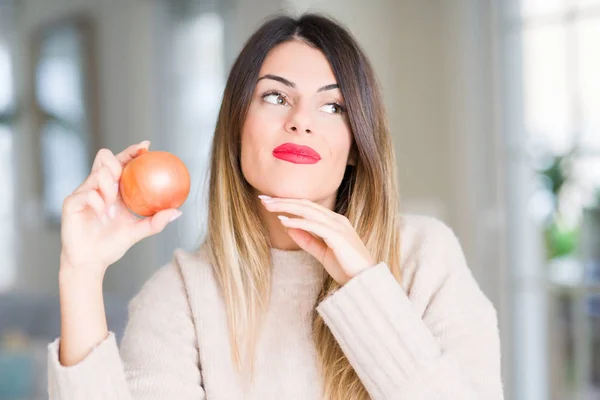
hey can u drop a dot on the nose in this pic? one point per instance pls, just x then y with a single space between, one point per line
298 121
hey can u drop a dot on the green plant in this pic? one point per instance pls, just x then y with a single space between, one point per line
555 174
560 238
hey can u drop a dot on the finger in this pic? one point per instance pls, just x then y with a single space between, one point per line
305 202
308 242
317 248
106 158
153 225
300 209
132 152
78 202
331 215
107 187
329 235
102 181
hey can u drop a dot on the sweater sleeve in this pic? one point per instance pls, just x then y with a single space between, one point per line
449 351
158 358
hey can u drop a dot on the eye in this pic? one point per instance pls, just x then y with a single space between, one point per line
275 98
333 108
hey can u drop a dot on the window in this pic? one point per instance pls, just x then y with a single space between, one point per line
60 87
552 106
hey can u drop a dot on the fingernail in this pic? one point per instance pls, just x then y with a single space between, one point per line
116 186
174 217
282 217
145 143
266 199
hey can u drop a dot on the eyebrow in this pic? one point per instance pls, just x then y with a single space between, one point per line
293 85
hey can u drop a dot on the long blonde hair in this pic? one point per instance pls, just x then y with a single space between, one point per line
237 240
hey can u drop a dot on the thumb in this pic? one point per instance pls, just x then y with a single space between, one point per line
154 224
308 242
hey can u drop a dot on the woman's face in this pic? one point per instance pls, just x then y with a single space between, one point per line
296 101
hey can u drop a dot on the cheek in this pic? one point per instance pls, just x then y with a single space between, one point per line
260 123
340 141
258 137
253 131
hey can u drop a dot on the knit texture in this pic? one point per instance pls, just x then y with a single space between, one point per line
433 336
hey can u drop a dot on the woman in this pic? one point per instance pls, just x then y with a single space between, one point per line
309 284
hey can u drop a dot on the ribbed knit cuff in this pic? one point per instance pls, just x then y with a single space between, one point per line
385 340
98 376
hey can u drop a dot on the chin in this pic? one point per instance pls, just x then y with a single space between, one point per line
289 189
292 193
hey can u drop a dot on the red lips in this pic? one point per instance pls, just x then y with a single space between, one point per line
296 154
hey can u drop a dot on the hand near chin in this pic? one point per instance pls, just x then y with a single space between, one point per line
337 245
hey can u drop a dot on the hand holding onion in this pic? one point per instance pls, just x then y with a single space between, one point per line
98 222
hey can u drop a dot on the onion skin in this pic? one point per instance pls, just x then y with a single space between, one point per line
154 181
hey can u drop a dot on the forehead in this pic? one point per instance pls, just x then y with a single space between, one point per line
300 63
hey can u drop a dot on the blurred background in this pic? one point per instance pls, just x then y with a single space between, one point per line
494 107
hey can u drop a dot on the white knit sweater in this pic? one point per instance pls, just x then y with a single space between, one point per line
435 336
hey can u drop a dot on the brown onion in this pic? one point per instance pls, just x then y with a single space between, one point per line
154 181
